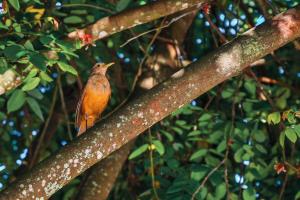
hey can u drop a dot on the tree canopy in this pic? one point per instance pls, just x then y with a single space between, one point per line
238 140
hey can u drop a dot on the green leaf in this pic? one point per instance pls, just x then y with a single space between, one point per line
16 101
46 39
291 134
198 154
259 135
73 20
297 129
274 118
3 65
282 139
250 87
138 151
220 191
193 133
238 155
28 45
67 68
31 84
34 106
122 4
36 94
15 4
198 173
291 118
205 117
168 135
227 93
38 60
249 194
13 52
159 147
44 76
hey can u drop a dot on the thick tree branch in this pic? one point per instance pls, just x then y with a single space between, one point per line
137 116
134 17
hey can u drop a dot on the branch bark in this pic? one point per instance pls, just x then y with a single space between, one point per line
134 17
140 114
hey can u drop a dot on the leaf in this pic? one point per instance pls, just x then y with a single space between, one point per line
35 107
44 76
238 155
282 139
291 134
297 129
122 4
168 135
159 147
31 84
73 20
28 45
193 133
16 101
138 151
205 117
11 52
220 191
67 68
250 87
259 136
15 4
249 194
227 93
291 118
46 39
274 118
36 94
38 60
198 154
198 173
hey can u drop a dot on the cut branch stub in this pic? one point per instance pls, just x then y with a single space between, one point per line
140 114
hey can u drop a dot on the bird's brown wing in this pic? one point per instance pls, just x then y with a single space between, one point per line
78 115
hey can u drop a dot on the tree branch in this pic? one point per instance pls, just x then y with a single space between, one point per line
134 17
140 114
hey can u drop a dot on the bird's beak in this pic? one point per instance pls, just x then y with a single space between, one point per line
109 64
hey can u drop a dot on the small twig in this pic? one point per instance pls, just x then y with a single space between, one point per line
36 152
64 107
88 6
207 177
214 27
157 29
152 166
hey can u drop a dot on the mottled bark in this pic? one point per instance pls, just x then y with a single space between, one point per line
141 113
103 175
134 17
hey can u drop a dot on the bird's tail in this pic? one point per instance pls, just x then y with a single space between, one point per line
85 124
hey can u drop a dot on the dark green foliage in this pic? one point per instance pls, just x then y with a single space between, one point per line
243 127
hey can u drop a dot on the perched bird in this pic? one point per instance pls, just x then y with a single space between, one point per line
94 98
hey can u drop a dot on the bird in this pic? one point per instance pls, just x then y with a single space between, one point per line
94 98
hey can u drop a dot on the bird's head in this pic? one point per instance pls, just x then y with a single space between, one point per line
101 68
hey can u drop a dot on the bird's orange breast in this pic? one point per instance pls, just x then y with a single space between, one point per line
95 100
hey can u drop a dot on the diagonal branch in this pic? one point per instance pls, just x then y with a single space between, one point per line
141 113
134 17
